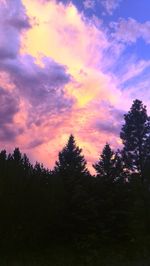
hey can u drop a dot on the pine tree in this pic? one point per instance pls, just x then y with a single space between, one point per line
110 191
78 206
70 159
109 167
135 136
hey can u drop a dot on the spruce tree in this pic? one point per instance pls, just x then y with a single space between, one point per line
70 159
110 191
109 167
71 169
135 135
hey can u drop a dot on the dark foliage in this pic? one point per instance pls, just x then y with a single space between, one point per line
68 204
135 135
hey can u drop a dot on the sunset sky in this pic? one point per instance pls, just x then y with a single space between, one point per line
70 67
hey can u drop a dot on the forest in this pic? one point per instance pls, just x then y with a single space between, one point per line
106 213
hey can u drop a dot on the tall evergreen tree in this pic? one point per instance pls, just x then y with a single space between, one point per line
135 135
110 191
105 164
71 169
70 159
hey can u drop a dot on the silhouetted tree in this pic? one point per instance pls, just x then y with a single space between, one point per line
39 206
135 136
111 194
70 159
109 167
105 164
71 167
3 165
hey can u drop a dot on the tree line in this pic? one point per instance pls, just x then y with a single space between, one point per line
39 206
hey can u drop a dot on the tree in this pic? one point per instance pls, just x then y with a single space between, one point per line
70 159
109 167
3 161
111 194
135 135
71 169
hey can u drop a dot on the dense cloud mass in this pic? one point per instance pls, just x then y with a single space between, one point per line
66 75
36 82
39 87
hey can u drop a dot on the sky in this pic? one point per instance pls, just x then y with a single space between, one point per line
70 67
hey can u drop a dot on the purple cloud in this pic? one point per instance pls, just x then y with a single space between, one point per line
35 143
9 106
13 20
89 4
113 124
129 30
108 127
14 15
40 85
110 5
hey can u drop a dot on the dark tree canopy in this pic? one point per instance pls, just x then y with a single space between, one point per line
70 205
